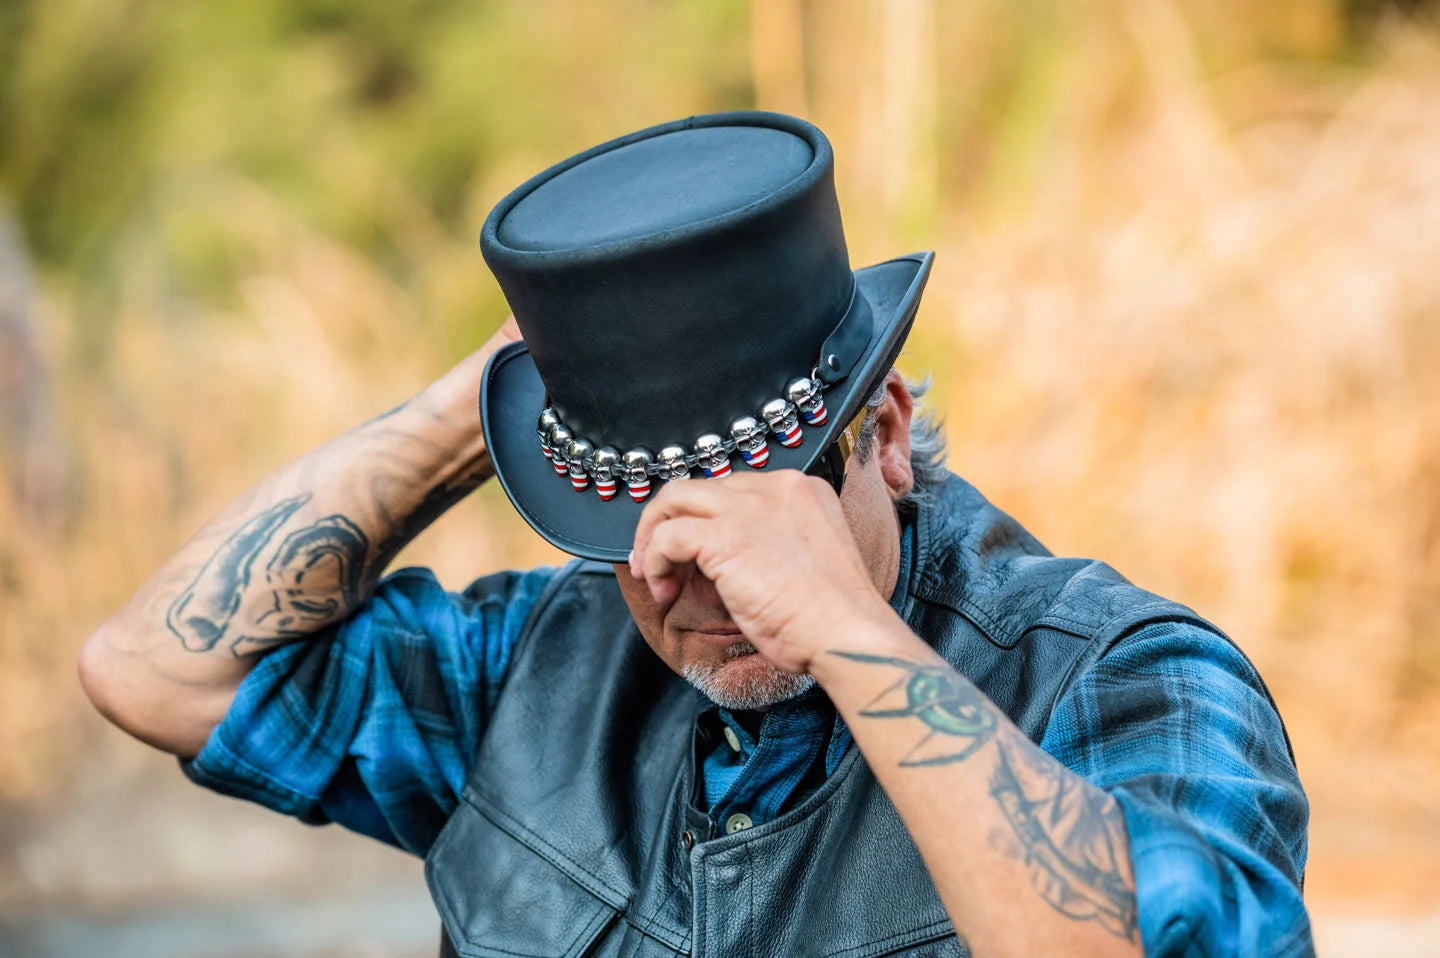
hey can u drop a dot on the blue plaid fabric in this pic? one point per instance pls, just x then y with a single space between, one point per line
373 726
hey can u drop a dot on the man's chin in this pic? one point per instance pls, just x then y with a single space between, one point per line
747 681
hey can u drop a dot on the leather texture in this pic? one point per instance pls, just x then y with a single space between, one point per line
667 283
569 839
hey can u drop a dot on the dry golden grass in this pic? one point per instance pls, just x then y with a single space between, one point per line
1189 324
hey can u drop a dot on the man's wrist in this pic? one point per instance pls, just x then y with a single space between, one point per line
873 629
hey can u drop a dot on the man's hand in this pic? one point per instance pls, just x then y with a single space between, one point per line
779 550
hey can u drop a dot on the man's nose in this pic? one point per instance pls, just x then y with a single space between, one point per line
698 590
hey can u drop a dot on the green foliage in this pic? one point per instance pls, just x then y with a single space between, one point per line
366 119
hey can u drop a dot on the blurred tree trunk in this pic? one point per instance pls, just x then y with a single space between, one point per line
777 54
30 460
898 104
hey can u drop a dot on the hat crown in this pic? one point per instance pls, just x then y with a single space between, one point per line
677 278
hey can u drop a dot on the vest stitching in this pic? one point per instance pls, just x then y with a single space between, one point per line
934 931
519 833
601 915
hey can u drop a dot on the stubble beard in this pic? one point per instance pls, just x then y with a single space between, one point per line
769 687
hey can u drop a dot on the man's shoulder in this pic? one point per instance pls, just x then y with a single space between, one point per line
983 564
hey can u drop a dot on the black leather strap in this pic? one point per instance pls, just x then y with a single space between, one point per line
846 342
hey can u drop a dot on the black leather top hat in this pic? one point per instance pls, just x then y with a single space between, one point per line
688 308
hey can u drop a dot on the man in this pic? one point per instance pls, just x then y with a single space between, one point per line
811 696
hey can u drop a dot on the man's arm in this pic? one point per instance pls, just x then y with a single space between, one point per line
296 553
1027 857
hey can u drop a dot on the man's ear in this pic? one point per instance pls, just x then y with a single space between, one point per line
892 436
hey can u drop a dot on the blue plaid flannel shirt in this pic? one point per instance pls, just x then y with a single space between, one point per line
373 726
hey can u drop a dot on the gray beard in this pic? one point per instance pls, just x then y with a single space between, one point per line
753 693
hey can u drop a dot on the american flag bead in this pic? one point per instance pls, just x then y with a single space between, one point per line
560 438
816 416
780 415
607 464
804 392
758 458
711 455
549 419
633 466
578 452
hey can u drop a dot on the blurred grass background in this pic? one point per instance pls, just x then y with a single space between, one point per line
1185 318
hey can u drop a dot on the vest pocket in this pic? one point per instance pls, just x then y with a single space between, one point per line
500 899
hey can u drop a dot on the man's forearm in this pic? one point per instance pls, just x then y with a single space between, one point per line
296 553
1028 858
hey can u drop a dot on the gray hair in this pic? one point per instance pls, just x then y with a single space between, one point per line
927 440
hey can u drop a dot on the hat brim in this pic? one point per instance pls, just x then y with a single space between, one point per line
583 524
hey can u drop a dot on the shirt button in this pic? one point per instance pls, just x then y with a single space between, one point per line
731 738
737 823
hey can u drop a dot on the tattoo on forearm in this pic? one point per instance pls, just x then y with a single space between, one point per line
322 572
202 613
315 577
1070 834
935 696
1073 836
332 549
436 502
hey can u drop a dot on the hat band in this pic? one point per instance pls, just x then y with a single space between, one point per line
582 461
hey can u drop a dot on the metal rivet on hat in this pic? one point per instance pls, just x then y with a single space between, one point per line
833 362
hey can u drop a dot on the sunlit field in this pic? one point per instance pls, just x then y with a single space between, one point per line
1185 318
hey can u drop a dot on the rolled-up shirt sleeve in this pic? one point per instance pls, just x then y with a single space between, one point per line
373 723
1174 722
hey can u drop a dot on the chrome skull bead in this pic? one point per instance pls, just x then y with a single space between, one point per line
783 421
749 438
549 419
576 455
560 438
710 451
633 469
804 392
607 466
672 464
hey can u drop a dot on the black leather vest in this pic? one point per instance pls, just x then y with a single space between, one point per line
569 839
